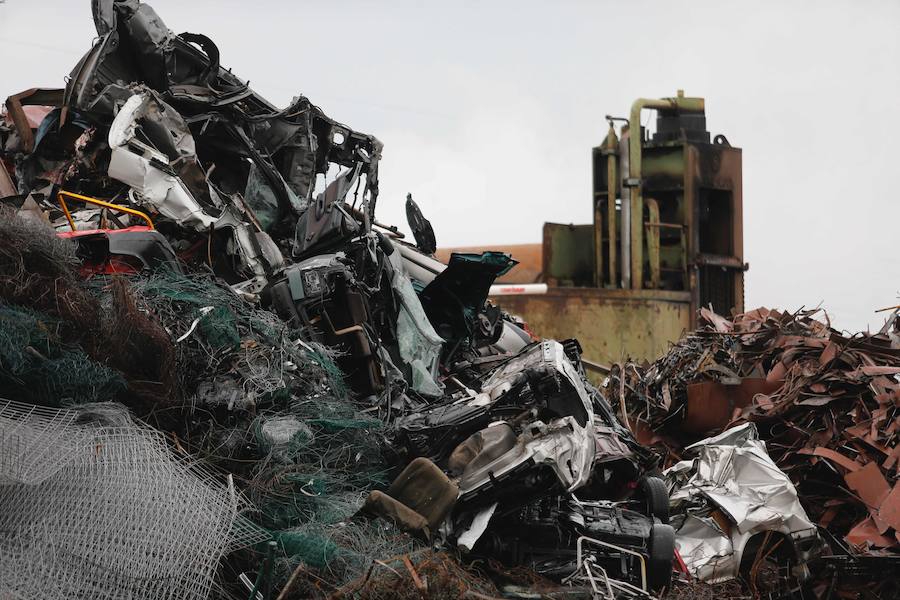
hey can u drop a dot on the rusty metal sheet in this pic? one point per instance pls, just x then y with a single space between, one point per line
890 508
828 516
16 104
721 324
644 433
865 534
830 352
837 457
777 373
869 484
646 323
892 458
873 370
709 407
7 188
712 405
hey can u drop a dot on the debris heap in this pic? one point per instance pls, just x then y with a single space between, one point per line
222 377
825 402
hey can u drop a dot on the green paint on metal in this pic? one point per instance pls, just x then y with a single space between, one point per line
568 258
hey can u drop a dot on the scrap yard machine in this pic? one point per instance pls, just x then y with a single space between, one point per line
666 240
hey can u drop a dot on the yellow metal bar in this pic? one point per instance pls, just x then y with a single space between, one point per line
653 241
62 195
679 104
598 244
665 225
612 145
65 208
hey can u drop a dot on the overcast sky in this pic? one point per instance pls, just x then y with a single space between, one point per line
488 110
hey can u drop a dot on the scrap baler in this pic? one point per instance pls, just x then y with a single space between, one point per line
666 240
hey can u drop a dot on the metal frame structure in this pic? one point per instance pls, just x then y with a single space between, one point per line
62 195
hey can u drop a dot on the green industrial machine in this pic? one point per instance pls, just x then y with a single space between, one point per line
667 239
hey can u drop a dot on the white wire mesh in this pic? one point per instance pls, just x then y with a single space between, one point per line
35 442
119 517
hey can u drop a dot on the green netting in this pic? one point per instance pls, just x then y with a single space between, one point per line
310 486
254 343
330 369
21 328
332 425
73 378
274 412
304 452
219 328
307 451
254 398
198 291
343 552
309 454
282 436
321 473
196 298
36 365
314 550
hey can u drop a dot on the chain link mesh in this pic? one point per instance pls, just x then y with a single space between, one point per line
98 511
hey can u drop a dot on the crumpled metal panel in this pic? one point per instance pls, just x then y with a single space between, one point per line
732 472
706 550
418 343
163 191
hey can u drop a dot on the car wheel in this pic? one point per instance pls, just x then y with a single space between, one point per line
661 553
655 494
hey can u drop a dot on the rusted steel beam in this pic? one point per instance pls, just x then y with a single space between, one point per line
31 97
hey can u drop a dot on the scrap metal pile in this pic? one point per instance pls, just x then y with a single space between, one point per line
827 405
223 378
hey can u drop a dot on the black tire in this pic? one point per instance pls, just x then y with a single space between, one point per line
661 553
655 494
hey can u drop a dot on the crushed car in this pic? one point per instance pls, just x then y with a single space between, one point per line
735 509
510 460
